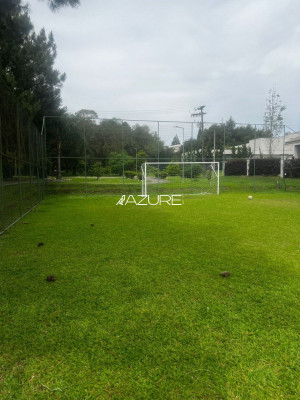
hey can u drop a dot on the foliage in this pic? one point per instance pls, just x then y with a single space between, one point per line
292 168
273 119
236 167
97 169
140 175
173 170
86 114
192 171
130 174
27 62
242 151
228 134
161 174
56 4
141 158
119 160
264 166
175 140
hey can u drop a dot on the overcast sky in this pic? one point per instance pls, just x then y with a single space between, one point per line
158 59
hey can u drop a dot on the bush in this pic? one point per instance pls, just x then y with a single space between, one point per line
236 167
140 176
292 168
107 171
130 174
161 174
265 166
96 169
192 171
151 170
173 170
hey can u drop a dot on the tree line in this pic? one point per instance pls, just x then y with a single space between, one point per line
27 67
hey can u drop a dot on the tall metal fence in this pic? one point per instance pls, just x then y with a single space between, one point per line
104 156
22 161
72 155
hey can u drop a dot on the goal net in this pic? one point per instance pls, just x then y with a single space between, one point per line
180 178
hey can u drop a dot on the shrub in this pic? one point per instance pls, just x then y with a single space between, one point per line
161 174
265 166
292 168
173 170
151 170
192 171
96 169
107 170
130 174
236 167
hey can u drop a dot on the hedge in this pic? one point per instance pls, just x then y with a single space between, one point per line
130 174
265 166
236 167
292 168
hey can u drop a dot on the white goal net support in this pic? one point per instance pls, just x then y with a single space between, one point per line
180 178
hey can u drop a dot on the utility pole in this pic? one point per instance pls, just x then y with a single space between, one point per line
200 113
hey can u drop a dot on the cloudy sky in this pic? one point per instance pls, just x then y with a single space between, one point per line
158 59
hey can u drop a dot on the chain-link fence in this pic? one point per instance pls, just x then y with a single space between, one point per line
105 156
22 161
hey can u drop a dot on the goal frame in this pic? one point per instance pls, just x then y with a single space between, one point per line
144 170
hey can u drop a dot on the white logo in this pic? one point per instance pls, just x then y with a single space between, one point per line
171 200
121 201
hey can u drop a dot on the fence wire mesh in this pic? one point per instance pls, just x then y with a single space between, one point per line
22 161
105 156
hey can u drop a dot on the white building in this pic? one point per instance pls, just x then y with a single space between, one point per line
293 140
279 147
175 147
288 147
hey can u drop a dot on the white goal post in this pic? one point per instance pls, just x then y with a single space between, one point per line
189 177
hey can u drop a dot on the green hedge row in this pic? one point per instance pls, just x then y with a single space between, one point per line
292 168
259 166
236 167
264 166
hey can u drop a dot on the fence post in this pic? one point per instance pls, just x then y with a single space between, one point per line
85 159
37 164
191 158
224 156
254 157
281 168
123 161
283 174
19 158
158 178
45 153
30 162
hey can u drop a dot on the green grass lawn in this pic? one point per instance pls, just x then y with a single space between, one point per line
139 309
118 185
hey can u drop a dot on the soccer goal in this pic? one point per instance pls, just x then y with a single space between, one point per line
180 178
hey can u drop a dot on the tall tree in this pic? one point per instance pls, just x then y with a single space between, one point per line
273 120
27 61
86 114
175 140
56 4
